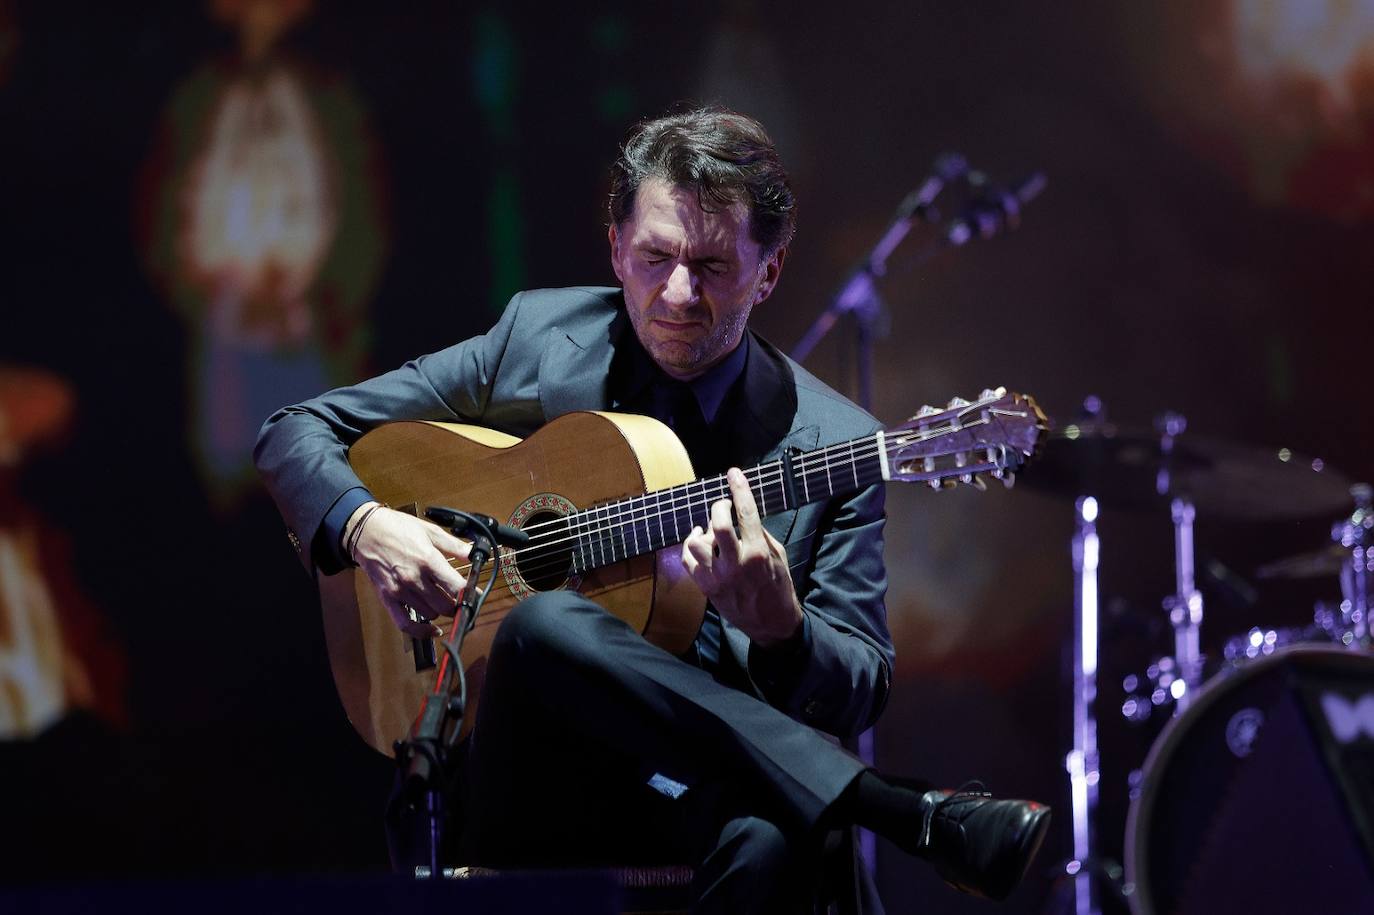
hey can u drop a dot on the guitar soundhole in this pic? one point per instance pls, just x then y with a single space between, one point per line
546 564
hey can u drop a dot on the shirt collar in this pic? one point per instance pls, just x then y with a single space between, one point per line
711 387
638 371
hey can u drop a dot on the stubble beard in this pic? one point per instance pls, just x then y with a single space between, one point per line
696 356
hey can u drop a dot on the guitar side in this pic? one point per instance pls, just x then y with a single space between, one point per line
584 458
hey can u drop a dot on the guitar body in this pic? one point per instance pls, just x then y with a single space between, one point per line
574 462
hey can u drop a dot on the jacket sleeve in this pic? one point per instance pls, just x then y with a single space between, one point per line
302 450
838 677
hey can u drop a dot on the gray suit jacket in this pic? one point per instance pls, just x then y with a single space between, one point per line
550 354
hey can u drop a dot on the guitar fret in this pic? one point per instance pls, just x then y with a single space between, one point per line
577 544
600 535
677 532
585 526
608 531
853 462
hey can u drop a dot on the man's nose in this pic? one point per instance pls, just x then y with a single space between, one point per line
681 289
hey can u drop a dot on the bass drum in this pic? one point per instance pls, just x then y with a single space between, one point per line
1260 797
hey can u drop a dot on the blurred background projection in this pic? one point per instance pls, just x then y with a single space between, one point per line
57 653
268 238
1280 94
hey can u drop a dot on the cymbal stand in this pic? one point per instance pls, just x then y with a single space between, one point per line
1082 761
1356 534
1185 604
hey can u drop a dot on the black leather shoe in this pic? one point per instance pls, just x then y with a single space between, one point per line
979 844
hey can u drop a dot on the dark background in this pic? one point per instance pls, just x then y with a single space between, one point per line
1202 246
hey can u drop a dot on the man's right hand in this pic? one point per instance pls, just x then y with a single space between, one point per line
407 561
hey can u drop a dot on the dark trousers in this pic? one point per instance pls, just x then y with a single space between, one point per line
579 713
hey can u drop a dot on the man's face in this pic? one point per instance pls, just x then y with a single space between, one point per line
691 277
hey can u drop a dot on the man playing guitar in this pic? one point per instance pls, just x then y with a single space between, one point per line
591 745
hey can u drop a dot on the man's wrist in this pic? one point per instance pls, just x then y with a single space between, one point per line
353 527
788 644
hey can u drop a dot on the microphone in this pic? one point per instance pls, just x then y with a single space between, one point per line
459 524
948 167
994 209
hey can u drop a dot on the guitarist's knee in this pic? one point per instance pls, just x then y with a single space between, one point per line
554 621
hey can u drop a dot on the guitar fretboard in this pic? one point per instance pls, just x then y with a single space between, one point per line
606 534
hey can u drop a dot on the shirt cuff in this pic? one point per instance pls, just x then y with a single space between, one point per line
328 543
777 670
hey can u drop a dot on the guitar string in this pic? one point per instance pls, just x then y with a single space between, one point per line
718 487
817 461
637 508
666 503
504 587
589 524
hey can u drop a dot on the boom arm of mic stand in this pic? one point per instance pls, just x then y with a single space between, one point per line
859 294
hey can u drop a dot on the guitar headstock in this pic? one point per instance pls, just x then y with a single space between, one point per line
966 440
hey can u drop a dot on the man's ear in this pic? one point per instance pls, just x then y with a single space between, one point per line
772 269
613 237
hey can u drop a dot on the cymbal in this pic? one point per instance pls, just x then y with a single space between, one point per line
1125 468
1324 563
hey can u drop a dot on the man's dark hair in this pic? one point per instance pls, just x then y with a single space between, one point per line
726 156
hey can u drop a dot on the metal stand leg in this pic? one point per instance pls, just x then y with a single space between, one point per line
1082 761
1185 609
1356 534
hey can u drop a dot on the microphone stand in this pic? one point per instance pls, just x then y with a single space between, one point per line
859 298
424 756
994 209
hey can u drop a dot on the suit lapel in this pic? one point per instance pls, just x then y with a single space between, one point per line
575 368
764 422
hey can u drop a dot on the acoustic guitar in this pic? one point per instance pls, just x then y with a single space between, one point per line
605 498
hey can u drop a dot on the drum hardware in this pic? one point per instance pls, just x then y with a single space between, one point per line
1260 643
1160 687
1354 534
1225 481
1101 466
1256 798
1082 760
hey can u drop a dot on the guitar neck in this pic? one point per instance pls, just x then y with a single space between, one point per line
608 533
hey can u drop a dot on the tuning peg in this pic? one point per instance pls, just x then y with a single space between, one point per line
1009 479
927 410
956 402
979 483
992 393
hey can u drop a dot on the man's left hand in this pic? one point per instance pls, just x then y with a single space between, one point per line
744 576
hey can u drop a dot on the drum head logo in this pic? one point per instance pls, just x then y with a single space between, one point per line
1349 720
1242 730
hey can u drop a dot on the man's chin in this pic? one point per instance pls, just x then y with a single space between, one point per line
676 357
